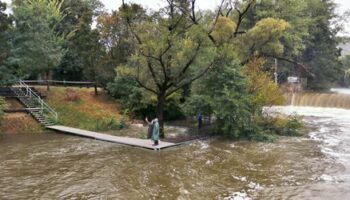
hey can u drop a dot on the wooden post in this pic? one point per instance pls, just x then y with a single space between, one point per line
47 81
96 92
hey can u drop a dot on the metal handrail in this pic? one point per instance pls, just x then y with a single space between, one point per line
43 105
56 81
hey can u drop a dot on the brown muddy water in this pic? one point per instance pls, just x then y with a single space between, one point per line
55 166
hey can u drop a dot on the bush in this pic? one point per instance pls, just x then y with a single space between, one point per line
265 91
110 124
2 107
286 126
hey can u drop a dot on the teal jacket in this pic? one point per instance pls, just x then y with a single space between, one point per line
155 133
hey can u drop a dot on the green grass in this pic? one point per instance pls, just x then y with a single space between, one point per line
80 108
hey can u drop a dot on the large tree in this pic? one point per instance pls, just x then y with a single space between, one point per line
6 73
180 45
235 89
310 45
81 46
116 38
172 51
36 47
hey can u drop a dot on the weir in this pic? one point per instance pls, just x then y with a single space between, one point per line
329 100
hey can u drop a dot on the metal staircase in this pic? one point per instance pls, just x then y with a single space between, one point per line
42 112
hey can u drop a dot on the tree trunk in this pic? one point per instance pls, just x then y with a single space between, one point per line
47 81
96 92
160 113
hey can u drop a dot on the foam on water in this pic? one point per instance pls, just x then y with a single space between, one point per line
242 195
341 90
333 132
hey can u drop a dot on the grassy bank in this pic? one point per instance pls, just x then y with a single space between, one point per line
80 108
14 123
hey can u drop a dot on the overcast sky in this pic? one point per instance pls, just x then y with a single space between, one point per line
343 5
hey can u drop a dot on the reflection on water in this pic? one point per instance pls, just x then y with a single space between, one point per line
53 166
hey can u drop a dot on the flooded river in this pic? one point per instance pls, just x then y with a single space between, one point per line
54 166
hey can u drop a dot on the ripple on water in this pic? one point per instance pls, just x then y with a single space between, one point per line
64 167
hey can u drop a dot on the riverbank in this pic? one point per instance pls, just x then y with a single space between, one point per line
81 108
20 123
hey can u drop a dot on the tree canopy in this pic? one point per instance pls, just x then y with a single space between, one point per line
178 59
36 47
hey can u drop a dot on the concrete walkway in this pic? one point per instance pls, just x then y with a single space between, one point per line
142 143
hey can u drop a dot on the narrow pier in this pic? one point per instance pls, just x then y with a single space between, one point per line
136 142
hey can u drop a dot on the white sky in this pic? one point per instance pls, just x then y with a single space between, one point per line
343 5
154 4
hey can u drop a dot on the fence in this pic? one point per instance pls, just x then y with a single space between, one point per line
61 83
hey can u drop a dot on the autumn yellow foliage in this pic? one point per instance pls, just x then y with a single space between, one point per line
223 29
261 85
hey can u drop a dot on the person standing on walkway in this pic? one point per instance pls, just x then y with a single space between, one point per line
200 120
155 133
150 128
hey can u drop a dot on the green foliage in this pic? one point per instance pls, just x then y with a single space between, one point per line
261 86
133 98
223 92
197 103
2 107
83 58
141 103
233 113
310 44
110 124
35 45
262 39
281 125
117 38
6 73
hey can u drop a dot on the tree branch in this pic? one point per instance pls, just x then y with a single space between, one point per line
188 64
215 22
193 12
129 25
145 87
149 65
141 84
291 61
190 81
161 60
240 17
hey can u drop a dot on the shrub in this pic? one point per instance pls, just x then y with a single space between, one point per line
286 126
260 84
2 107
110 124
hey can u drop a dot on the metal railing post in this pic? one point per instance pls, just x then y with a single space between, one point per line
42 106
